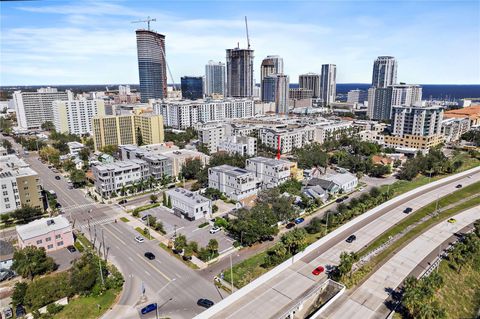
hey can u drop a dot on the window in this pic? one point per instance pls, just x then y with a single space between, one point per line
60 243
48 239
58 236
39 242
50 246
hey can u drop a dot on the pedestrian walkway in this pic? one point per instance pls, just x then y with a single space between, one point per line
86 205
102 221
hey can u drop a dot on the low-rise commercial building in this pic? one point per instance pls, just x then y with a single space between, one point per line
271 172
236 183
19 185
49 233
189 205
241 145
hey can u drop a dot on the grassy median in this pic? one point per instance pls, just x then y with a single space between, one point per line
87 307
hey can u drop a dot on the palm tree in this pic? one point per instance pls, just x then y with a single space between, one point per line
123 190
430 310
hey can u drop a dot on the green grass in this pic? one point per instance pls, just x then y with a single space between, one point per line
84 241
140 230
79 246
145 207
460 296
202 225
124 219
85 307
186 262
422 212
247 270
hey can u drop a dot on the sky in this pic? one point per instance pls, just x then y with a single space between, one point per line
93 42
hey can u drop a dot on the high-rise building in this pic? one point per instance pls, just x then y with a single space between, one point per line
416 127
381 100
384 72
125 129
152 67
328 84
192 87
215 78
240 72
275 89
357 96
35 108
272 64
19 183
75 116
310 81
300 94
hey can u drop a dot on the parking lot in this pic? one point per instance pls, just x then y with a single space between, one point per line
172 224
63 258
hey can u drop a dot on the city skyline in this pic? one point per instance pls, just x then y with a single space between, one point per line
94 42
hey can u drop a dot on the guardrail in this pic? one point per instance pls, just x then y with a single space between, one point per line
275 271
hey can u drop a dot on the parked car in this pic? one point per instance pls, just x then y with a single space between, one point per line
139 239
267 238
215 229
20 311
149 308
205 303
150 255
144 218
71 249
351 238
290 225
317 271
8 312
407 210
299 220
339 200
123 201
6 274
458 186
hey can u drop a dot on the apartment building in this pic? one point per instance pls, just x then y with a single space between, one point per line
111 178
75 148
119 130
326 130
189 205
211 136
19 185
184 114
159 166
181 157
271 172
35 108
75 116
453 128
49 233
241 145
290 138
236 183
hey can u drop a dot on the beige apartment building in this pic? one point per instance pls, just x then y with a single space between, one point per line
124 129
19 185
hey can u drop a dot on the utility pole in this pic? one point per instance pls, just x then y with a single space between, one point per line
231 272
104 248
101 271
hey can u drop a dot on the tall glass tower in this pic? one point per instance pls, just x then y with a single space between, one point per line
215 78
239 72
151 65
384 72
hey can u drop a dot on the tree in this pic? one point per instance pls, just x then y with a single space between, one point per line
48 126
68 165
315 226
212 245
346 262
84 154
191 168
180 242
379 170
19 290
32 261
50 154
7 145
146 231
187 252
193 245
45 290
169 202
276 255
27 214
153 198
84 273
139 137
78 178
203 148
164 200
61 146
89 143
375 192
295 240
109 149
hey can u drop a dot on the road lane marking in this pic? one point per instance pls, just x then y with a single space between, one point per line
130 258
178 275
148 274
154 268
118 238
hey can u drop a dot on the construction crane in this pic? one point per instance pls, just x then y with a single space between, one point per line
246 27
148 20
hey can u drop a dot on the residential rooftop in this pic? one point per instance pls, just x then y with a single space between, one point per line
42 226
187 196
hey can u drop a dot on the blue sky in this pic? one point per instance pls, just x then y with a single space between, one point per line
93 42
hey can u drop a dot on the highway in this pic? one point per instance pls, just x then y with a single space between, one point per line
368 300
263 292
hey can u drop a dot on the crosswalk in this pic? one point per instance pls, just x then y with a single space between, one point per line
80 206
83 224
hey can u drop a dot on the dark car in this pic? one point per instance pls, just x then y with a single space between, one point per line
150 255
407 210
144 218
149 308
20 311
123 201
339 200
58 205
205 303
267 238
459 186
57 177
71 249
299 220
290 225
351 238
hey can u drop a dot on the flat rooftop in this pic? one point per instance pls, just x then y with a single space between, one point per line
42 226
187 196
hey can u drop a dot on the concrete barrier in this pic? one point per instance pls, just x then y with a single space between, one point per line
275 271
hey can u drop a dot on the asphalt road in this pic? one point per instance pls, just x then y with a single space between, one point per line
367 229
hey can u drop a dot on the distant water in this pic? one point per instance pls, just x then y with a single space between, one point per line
435 91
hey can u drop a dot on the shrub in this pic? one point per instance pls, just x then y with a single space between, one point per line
43 291
315 226
205 224
54 308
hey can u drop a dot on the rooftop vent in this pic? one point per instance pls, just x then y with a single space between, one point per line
50 222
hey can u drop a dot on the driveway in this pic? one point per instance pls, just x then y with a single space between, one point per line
63 258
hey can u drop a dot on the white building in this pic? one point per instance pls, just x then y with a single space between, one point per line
357 96
110 178
184 114
236 183
75 148
328 84
289 138
75 116
35 108
188 204
330 129
453 128
271 172
215 78
372 136
344 180
242 145
417 120
211 136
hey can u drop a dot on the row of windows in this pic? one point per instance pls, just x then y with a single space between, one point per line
50 239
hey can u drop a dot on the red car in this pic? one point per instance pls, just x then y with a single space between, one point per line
317 271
